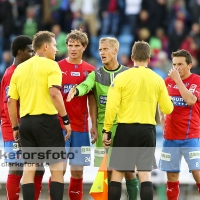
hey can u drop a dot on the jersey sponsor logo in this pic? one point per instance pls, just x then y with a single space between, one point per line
176 87
99 152
6 91
192 88
67 87
178 101
102 99
85 150
75 74
165 156
194 155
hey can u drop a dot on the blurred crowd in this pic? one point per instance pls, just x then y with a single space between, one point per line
167 25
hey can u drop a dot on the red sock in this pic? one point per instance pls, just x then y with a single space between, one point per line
38 186
49 187
75 190
13 187
172 190
198 185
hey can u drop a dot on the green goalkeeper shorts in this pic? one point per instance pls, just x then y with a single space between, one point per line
99 150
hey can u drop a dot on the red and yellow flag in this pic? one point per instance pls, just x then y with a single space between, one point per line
99 189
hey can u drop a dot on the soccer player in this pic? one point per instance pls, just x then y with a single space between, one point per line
99 81
74 71
133 96
181 127
37 82
22 50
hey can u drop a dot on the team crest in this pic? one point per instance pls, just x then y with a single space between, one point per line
75 66
85 73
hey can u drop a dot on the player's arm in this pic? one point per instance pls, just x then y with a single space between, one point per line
187 96
112 107
93 115
12 107
165 103
83 88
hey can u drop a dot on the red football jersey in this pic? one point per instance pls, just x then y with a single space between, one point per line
184 121
6 126
77 108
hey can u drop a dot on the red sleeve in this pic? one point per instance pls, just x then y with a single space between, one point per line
195 88
1 101
5 87
166 81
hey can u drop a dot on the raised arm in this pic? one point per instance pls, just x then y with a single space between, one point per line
187 96
83 88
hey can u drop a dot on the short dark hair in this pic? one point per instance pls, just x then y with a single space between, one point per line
20 43
141 51
78 35
42 37
182 53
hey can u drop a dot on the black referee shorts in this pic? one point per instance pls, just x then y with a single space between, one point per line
41 139
134 146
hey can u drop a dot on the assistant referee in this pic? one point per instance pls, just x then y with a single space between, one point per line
36 84
133 97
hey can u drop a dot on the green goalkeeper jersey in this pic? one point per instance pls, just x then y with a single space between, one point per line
99 81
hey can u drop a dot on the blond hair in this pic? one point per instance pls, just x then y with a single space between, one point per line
113 42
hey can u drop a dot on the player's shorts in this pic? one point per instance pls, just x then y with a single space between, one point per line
133 146
78 148
172 153
99 150
42 139
12 152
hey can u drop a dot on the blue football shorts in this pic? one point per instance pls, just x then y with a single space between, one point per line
78 148
12 152
173 150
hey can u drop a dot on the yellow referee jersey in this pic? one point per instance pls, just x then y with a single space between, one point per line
133 96
30 84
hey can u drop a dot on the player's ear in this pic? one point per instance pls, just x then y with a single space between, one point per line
19 52
84 47
45 45
132 58
190 66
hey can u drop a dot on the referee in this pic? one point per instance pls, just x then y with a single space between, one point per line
133 96
36 84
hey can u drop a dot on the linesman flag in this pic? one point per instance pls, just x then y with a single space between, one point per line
99 189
